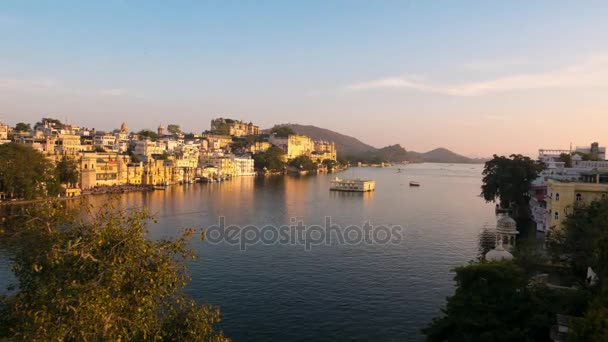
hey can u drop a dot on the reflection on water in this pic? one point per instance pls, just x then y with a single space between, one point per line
333 292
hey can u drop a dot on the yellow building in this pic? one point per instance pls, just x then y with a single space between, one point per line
294 145
564 197
158 172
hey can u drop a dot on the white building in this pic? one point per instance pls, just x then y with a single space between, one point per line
243 166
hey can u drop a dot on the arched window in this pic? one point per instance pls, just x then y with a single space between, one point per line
556 197
556 216
579 197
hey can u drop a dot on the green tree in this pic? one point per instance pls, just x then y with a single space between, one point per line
67 171
23 127
174 129
147 134
99 278
566 158
222 129
25 173
492 302
582 241
303 163
270 160
282 131
509 180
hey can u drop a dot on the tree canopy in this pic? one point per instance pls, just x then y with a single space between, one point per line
493 302
147 134
23 127
509 179
582 243
282 131
67 171
271 159
99 278
174 129
25 173
303 163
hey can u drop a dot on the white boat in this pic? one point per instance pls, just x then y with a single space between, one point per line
356 185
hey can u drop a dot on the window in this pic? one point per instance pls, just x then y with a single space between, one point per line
557 197
603 196
579 197
556 216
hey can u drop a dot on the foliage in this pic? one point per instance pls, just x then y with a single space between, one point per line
585 156
26 173
509 179
147 134
134 158
174 129
23 127
303 163
67 171
329 163
282 131
99 278
566 158
100 149
492 302
222 129
271 159
391 153
582 241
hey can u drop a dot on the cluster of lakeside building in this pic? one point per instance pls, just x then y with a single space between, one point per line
123 158
572 178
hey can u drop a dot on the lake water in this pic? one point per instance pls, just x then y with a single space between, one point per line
359 292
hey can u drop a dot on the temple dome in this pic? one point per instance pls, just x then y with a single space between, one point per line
506 225
498 253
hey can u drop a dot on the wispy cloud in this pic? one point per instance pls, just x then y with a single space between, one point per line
592 72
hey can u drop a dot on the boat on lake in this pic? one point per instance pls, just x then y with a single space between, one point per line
354 185
413 183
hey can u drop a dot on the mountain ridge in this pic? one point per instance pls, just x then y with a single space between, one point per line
354 149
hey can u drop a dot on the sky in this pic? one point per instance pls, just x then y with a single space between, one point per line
477 77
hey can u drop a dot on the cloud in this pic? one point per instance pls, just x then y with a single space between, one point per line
592 72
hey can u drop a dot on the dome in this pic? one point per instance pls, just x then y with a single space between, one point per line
506 224
498 253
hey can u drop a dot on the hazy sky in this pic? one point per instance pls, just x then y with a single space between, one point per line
478 77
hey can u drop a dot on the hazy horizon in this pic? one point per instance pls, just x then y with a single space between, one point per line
478 79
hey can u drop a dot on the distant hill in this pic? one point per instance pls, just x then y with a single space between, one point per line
345 145
355 150
443 155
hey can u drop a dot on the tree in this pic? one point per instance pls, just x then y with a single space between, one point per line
147 134
303 163
282 131
492 302
509 180
23 127
25 173
566 158
99 278
582 241
174 129
272 159
67 171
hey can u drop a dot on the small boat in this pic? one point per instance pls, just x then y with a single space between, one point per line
412 183
159 187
